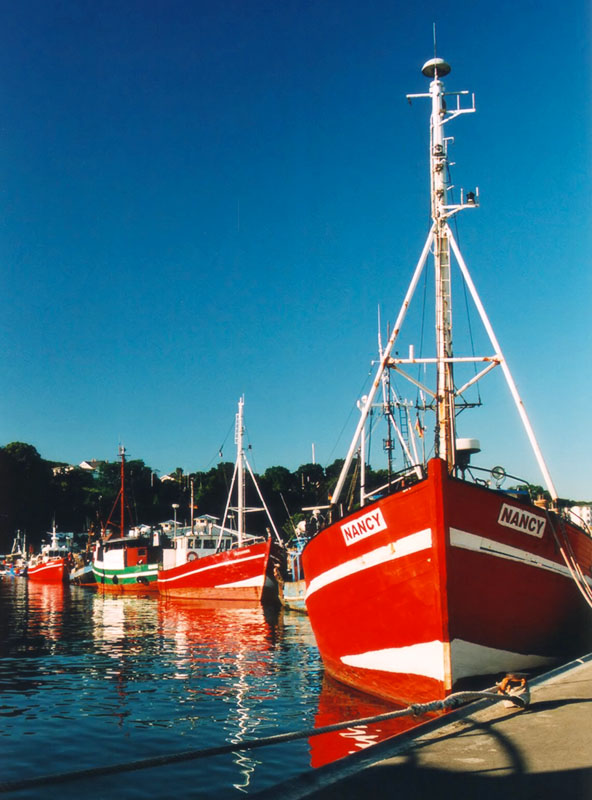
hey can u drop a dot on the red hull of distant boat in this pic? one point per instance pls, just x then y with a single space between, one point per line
439 582
243 573
53 571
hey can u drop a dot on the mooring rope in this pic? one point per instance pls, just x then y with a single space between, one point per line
565 548
415 710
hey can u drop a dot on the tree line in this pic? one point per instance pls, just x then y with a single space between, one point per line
36 493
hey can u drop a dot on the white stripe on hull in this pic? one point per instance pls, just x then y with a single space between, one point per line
414 543
428 660
210 567
479 544
257 582
39 570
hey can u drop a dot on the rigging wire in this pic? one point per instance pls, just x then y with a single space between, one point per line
464 285
348 418
468 311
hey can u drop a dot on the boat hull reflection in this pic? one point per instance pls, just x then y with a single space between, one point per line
338 704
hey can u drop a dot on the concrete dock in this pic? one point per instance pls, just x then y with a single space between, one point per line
485 751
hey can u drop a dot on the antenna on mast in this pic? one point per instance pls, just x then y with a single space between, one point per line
434 34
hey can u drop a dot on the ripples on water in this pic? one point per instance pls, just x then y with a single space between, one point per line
88 680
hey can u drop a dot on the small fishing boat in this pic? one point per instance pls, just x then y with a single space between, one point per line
125 564
291 582
82 573
14 564
52 563
441 574
217 562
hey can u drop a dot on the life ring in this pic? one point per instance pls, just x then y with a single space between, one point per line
191 556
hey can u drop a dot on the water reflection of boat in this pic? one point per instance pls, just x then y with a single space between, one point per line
208 627
45 604
338 704
442 574
218 563
223 649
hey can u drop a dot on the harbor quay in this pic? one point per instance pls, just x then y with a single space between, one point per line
484 751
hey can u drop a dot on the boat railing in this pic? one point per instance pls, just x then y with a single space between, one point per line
295 563
331 513
522 489
399 480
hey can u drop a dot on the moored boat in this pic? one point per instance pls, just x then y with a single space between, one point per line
292 586
52 563
215 562
14 564
440 574
82 573
126 563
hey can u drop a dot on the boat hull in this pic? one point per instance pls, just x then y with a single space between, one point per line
55 570
440 582
138 579
126 566
239 574
83 576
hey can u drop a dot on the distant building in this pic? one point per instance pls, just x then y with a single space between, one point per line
581 514
91 465
62 469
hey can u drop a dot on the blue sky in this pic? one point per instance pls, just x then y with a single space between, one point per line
210 198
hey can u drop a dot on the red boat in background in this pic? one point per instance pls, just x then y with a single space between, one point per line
215 562
52 564
440 574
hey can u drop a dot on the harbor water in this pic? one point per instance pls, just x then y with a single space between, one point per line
88 681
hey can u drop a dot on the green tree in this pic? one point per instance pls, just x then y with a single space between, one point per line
25 498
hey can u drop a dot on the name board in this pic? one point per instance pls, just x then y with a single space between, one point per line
366 525
520 520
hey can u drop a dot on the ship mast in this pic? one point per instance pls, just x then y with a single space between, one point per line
241 467
122 489
120 497
445 416
240 463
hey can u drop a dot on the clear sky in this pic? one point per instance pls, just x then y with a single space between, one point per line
206 198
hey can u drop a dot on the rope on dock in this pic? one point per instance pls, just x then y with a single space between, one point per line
503 691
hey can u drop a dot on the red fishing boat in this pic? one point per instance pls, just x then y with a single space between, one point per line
215 562
52 564
441 574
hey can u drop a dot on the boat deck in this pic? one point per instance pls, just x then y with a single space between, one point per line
483 751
